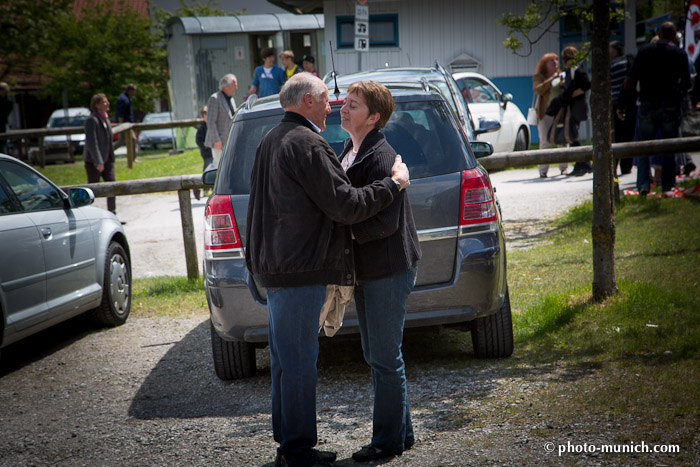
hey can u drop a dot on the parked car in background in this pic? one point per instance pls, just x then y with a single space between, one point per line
160 138
435 77
486 101
59 256
56 146
462 275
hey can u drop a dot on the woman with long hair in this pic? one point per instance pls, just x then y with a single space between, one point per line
547 84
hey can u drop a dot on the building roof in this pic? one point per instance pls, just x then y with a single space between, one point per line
248 23
139 6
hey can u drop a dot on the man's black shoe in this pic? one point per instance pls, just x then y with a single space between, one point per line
325 459
370 453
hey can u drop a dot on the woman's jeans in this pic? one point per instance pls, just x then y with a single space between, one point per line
293 328
381 312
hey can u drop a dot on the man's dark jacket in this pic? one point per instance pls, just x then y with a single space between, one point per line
300 204
124 109
663 73
387 243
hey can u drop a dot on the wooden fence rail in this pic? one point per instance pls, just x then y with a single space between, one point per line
184 183
126 128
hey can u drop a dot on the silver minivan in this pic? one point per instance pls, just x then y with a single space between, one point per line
461 277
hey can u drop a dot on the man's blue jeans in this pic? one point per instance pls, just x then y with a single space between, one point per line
381 312
657 119
293 328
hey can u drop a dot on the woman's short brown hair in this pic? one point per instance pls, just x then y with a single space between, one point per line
378 99
96 99
568 53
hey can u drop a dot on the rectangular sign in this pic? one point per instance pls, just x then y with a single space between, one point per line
362 44
361 28
361 12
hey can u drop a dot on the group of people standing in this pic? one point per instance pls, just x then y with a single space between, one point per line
268 79
647 95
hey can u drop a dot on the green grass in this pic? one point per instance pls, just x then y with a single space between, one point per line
636 356
169 296
152 165
658 269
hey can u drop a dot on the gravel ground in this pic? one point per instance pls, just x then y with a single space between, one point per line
146 394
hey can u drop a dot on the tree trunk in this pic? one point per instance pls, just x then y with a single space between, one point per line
604 281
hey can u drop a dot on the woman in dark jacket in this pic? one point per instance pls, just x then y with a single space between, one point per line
98 154
386 252
576 84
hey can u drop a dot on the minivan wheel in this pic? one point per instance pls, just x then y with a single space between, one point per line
521 140
232 359
492 336
116 288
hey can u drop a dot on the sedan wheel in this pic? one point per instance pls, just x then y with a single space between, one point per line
116 288
521 143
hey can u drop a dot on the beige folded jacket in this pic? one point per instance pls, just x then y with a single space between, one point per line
333 310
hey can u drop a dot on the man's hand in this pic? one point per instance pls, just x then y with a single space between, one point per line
399 172
100 167
620 114
218 145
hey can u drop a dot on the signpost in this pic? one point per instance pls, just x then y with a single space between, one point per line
361 26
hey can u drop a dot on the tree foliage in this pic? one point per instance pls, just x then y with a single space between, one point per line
196 8
25 26
540 17
102 49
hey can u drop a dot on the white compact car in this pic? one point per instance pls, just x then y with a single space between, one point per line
486 101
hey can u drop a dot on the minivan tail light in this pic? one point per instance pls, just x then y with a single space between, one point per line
477 204
220 229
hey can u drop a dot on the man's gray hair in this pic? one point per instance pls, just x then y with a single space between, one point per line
296 88
226 81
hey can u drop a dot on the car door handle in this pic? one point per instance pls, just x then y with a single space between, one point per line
46 232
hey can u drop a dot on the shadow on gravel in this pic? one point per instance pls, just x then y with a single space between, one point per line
183 385
42 344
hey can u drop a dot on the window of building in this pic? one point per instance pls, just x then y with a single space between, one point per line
383 31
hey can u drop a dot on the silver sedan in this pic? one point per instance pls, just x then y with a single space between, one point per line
59 256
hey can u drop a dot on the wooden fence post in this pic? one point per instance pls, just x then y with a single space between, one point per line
129 140
188 234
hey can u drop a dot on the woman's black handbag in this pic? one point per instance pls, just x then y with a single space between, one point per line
564 129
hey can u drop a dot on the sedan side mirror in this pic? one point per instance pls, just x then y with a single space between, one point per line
505 98
487 125
82 196
481 148
209 176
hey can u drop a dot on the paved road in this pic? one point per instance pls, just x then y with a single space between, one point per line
155 234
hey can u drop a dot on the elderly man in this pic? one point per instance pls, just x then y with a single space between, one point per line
298 241
221 107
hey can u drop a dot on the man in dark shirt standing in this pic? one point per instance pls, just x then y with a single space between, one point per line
661 68
125 113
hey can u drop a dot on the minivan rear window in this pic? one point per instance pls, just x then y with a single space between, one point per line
423 132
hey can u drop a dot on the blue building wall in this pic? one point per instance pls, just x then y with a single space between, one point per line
521 89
